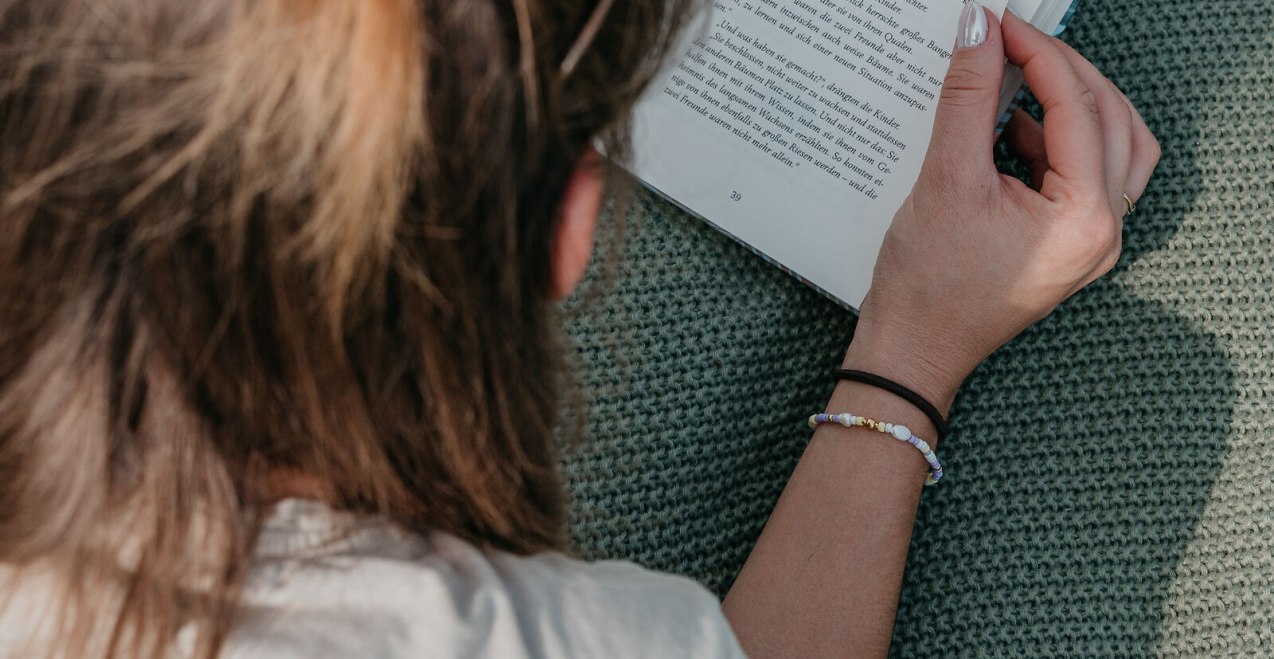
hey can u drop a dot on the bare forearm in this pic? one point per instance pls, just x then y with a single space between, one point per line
824 578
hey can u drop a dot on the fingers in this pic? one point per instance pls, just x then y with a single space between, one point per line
1125 151
1117 127
964 130
1073 126
1025 136
1146 153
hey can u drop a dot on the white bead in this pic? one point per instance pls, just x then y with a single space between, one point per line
889 427
924 447
845 419
901 433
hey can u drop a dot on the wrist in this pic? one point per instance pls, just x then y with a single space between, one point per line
934 372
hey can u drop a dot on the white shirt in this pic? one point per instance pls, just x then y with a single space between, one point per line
328 585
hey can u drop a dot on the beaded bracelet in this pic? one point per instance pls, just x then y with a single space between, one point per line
900 433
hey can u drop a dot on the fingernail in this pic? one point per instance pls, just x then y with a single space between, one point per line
973 26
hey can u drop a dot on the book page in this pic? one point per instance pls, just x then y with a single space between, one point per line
800 126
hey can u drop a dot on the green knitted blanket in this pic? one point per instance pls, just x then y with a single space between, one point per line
1111 488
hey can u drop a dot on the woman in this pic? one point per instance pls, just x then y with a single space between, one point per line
278 371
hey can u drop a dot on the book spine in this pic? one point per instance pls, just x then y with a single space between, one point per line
1014 71
1066 19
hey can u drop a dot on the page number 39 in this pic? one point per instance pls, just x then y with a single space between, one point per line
735 196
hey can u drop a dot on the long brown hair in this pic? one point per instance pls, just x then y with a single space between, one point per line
245 236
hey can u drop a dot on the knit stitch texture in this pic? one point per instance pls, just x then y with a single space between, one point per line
1111 472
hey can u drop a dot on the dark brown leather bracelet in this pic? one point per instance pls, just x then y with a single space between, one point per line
871 379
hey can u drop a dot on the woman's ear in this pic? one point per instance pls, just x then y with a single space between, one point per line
576 224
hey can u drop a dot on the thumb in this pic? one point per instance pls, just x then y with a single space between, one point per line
964 130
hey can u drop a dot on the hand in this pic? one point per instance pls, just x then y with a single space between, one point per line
974 257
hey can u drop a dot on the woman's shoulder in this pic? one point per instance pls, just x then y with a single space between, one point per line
327 584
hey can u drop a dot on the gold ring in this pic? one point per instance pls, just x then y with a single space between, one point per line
1132 207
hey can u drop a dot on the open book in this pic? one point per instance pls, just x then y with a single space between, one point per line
799 126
